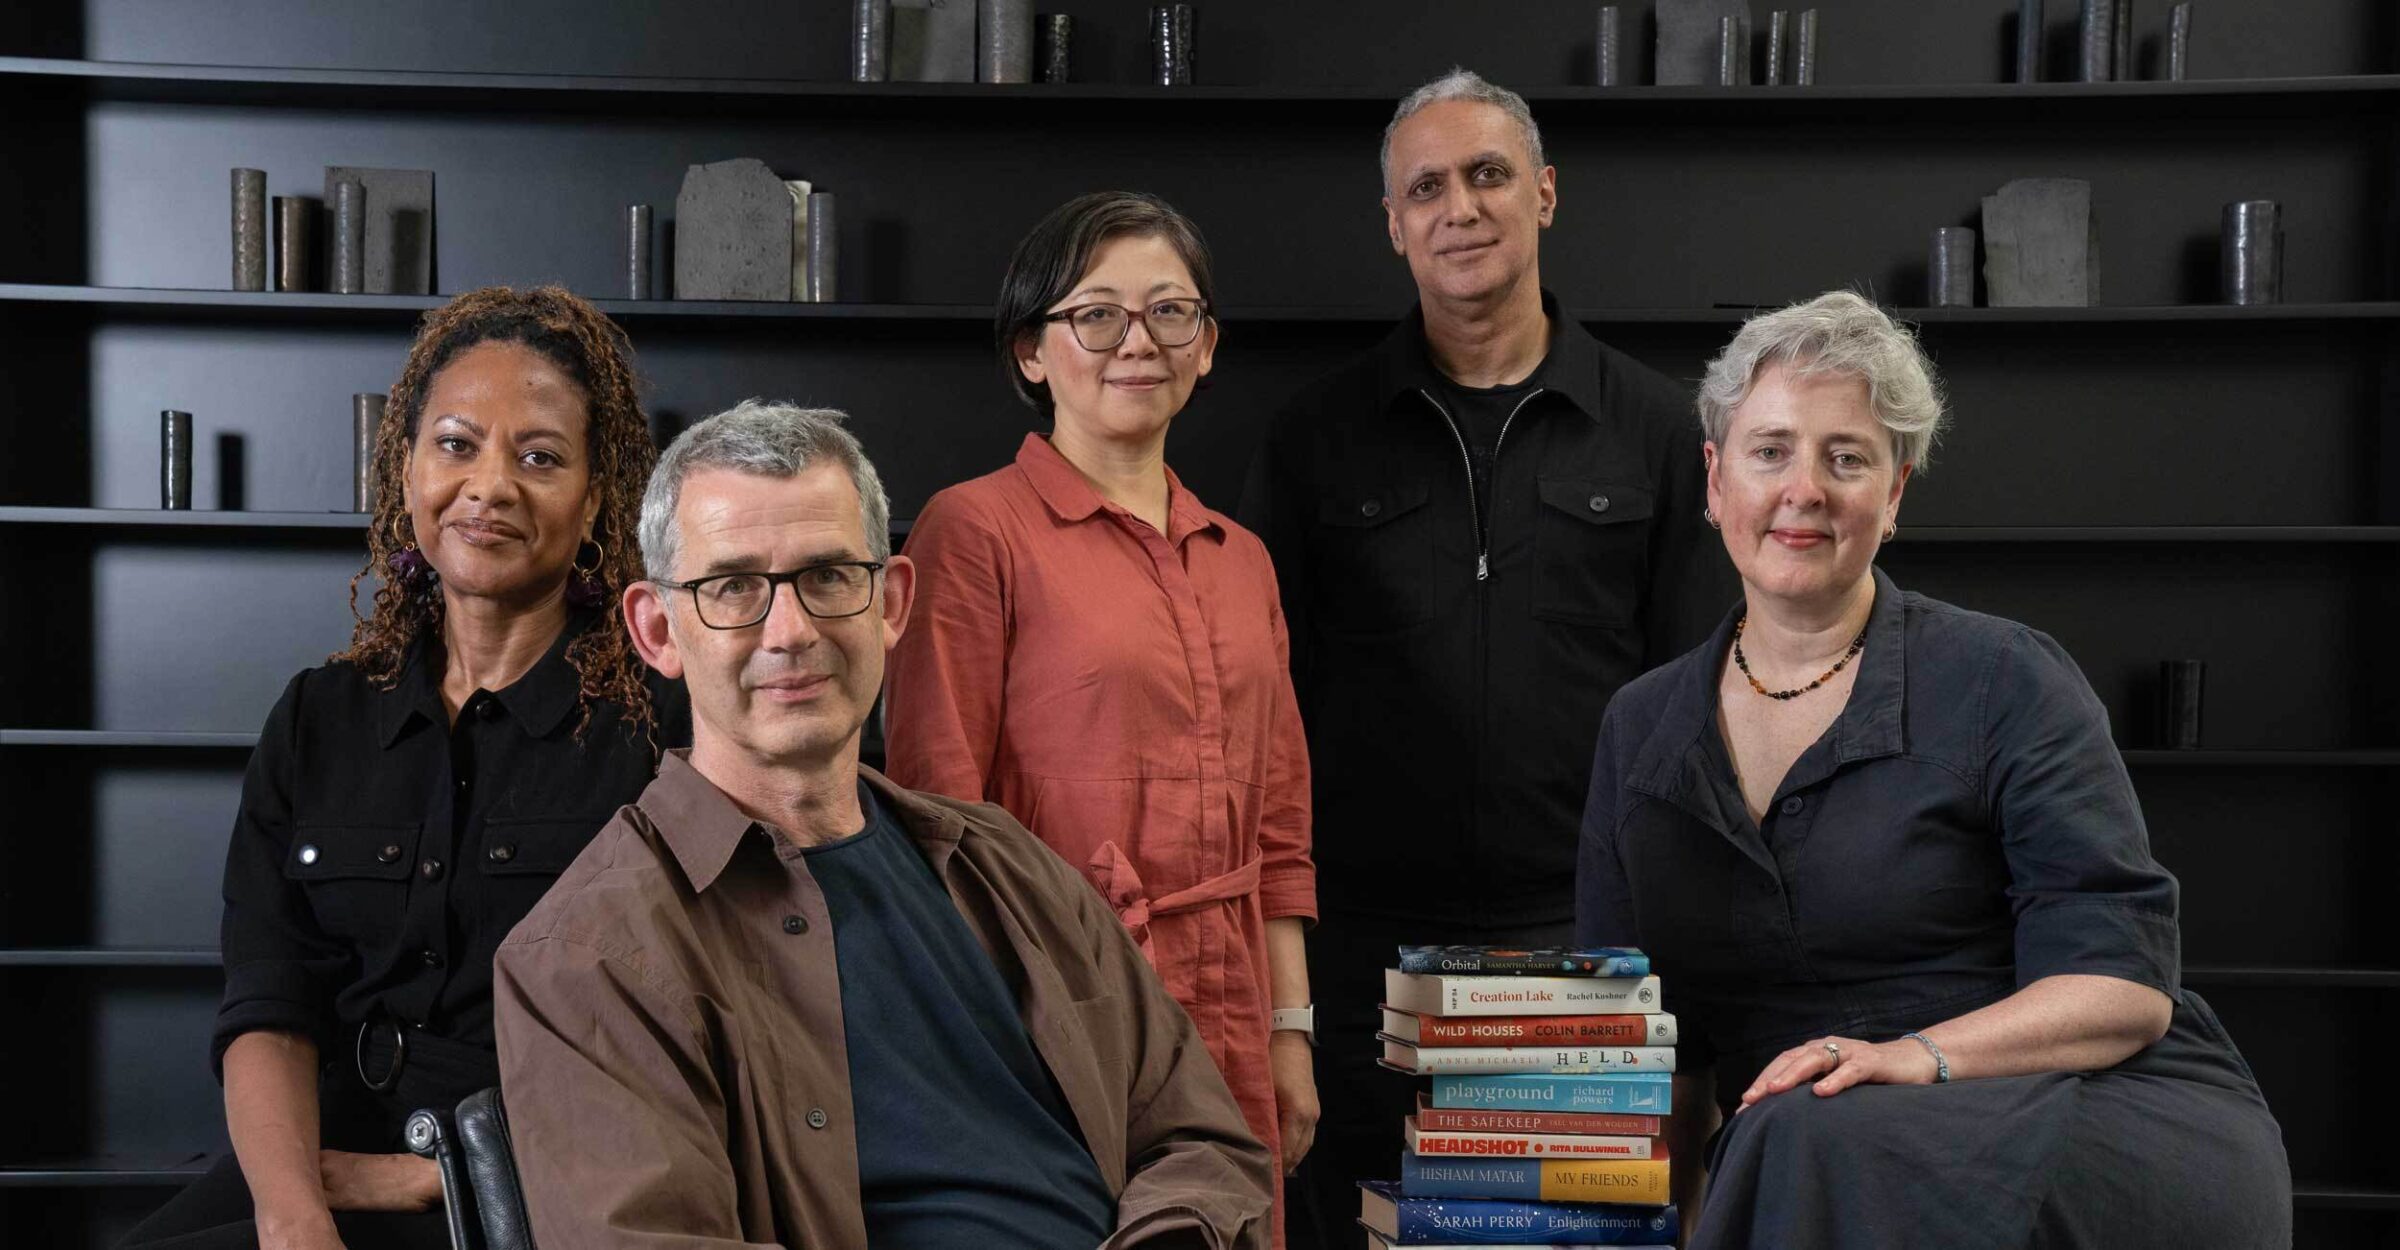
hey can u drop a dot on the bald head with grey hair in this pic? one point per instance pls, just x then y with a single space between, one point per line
766 440
1839 333
1464 84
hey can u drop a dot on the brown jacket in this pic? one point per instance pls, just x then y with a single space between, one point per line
670 1031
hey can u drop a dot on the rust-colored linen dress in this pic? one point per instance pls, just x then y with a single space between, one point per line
1126 695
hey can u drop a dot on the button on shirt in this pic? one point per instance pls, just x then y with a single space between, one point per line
381 853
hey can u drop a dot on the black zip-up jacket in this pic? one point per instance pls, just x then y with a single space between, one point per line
1452 672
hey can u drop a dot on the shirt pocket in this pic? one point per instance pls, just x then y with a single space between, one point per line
355 878
1591 551
1374 549
523 855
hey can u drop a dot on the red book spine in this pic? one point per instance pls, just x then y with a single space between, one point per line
1454 1120
1535 1031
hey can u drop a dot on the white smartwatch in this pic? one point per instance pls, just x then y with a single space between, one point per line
1301 1020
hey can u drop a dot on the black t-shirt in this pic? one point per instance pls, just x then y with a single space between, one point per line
1482 415
963 1137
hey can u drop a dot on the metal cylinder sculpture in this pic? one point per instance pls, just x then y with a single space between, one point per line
249 230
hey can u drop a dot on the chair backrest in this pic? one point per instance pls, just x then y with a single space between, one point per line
492 1168
481 1197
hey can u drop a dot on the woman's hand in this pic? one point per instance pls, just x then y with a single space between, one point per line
355 1182
1295 1093
1837 1063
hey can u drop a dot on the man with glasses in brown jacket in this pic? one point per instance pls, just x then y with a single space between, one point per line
780 1000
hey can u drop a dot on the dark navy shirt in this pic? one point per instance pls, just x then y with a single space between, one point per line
1964 828
963 1138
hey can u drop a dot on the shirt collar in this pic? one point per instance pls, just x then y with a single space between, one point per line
1070 496
1575 369
1673 763
539 700
703 828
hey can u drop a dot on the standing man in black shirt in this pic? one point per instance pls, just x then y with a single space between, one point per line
1482 527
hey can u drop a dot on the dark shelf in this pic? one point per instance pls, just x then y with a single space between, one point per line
111 957
2363 758
318 306
2018 534
2213 976
181 519
2321 1196
126 738
104 1171
323 88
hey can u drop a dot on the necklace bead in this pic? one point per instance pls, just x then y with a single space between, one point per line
1742 662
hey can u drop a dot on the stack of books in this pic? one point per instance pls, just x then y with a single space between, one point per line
1552 1083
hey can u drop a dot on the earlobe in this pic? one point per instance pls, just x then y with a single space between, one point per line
1029 360
899 596
647 624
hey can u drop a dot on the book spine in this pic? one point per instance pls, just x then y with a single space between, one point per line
1649 1030
1492 962
1517 1224
1427 1141
1498 996
1562 1061
1452 1120
1626 1182
1636 1094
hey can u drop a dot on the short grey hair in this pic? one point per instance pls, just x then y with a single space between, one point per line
1839 332
1464 84
768 440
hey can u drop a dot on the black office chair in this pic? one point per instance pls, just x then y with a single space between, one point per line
480 1194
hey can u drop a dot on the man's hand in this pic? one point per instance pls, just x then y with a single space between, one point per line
355 1182
1295 1093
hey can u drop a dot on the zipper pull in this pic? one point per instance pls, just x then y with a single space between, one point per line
1483 567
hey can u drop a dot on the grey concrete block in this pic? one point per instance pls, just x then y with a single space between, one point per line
2041 245
733 232
399 235
1690 39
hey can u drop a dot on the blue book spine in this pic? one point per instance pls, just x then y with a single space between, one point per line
1486 1222
1518 1180
1608 1093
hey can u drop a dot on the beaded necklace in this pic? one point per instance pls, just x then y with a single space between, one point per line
1742 662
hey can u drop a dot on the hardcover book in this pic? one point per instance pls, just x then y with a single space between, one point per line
1633 1182
1458 1120
1440 994
1655 1029
1529 1145
1599 961
1418 1061
1608 1093
1376 1241
1406 1221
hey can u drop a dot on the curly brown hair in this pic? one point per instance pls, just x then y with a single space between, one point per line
594 352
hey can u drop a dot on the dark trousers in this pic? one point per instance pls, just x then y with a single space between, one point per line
1358 1131
214 1213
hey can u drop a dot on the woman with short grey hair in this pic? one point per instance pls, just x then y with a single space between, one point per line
1887 851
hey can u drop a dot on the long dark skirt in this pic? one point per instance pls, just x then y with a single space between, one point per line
2175 1146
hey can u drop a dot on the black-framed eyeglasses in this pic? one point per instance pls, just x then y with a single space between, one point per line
1102 327
828 591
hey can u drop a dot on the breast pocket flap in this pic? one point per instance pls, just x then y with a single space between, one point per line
1596 502
369 852
1367 507
537 845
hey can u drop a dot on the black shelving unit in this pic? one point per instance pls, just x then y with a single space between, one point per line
2160 476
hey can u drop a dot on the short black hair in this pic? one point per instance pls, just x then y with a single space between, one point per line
1053 257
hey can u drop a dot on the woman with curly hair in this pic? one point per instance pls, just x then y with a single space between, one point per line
412 799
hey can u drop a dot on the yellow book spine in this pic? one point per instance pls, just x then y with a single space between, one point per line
1639 1181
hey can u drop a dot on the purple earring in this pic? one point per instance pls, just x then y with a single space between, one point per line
413 570
585 589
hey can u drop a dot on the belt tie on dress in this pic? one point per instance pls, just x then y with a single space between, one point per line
1113 874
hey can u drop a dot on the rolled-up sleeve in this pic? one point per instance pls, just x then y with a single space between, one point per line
1287 878
281 968
2087 895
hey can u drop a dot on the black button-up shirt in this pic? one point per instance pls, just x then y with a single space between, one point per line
382 852
1965 827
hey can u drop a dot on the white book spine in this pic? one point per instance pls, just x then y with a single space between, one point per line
1555 1060
1435 994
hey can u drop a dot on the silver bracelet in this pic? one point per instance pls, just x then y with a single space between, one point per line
1941 1062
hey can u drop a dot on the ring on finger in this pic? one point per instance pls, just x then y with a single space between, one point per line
1834 1049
